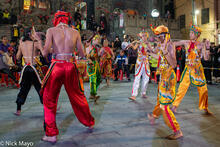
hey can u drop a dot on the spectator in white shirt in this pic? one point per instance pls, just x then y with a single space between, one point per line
124 44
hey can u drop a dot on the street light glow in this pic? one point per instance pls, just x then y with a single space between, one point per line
197 12
155 13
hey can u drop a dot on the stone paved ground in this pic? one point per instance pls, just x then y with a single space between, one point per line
119 122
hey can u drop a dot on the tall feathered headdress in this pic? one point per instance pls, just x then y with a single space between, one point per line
197 30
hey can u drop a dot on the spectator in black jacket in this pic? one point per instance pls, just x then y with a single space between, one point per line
207 64
216 63
117 45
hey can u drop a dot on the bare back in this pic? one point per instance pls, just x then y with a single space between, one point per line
64 41
29 51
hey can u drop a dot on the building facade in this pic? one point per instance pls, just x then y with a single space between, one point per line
202 13
138 17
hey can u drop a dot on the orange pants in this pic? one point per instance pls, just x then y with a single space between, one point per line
168 116
183 87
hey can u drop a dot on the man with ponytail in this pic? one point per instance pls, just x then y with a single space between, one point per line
30 74
61 41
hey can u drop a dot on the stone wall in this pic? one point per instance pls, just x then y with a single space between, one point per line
12 6
105 5
209 30
133 25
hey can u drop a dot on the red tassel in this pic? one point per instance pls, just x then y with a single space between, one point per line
192 46
178 73
158 63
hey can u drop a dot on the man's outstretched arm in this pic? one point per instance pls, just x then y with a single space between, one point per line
170 54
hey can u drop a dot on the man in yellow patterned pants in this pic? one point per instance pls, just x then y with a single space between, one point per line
193 72
167 84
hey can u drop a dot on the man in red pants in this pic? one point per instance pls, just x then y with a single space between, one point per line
63 70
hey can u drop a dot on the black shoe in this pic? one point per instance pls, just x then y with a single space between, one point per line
116 80
129 80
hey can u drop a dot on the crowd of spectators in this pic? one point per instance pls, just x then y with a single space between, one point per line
125 55
212 66
8 62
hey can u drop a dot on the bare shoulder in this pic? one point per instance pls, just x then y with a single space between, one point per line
20 42
50 30
74 31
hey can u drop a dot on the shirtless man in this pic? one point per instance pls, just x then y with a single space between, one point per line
29 75
167 85
193 72
63 70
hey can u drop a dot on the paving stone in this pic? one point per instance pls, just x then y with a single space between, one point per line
119 122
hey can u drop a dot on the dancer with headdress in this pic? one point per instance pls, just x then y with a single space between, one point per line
30 74
167 85
142 68
93 67
63 70
193 72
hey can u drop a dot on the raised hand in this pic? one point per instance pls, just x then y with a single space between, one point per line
36 36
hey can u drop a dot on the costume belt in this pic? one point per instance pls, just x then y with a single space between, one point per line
192 62
71 60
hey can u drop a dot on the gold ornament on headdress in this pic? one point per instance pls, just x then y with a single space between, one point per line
161 30
96 37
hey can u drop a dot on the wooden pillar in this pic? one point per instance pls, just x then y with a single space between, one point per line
21 7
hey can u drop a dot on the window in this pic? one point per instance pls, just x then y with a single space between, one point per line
205 16
218 38
43 4
182 21
218 25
